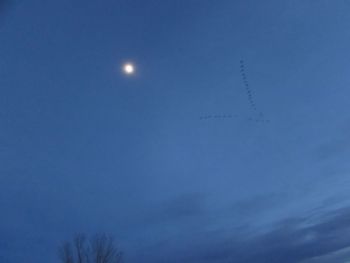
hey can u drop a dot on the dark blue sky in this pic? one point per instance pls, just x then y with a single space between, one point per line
172 160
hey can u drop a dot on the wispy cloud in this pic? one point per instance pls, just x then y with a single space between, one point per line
289 241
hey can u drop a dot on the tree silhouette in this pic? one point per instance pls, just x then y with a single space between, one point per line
98 249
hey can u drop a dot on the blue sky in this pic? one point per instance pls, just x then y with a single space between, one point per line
174 161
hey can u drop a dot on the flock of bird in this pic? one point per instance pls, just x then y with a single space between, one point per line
247 88
260 116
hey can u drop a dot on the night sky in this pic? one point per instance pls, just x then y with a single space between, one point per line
229 143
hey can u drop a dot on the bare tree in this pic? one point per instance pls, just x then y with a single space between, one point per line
98 249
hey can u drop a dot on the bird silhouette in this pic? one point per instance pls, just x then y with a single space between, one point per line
251 99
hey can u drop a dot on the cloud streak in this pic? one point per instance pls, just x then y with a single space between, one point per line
291 240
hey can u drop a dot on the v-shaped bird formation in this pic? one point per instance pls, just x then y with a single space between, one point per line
251 100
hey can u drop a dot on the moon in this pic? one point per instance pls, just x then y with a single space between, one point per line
128 68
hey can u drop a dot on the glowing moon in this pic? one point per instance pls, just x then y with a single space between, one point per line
128 69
